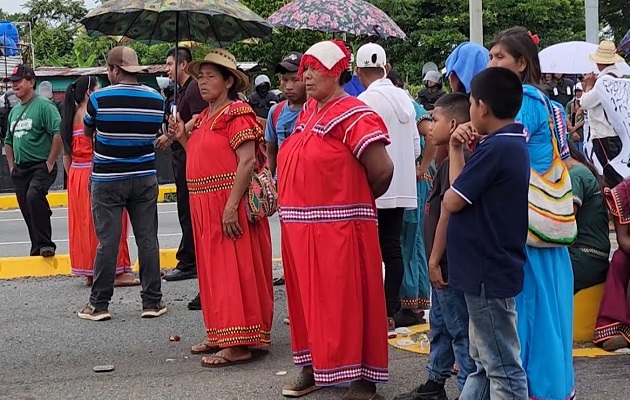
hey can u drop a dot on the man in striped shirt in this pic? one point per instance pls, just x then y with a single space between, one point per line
123 119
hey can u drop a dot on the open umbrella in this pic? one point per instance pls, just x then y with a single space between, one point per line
215 22
354 17
572 58
625 43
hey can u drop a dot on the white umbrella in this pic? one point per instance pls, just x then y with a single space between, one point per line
572 58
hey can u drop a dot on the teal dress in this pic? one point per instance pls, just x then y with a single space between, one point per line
545 306
416 289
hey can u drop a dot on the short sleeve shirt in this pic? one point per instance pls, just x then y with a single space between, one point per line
486 239
283 127
31 129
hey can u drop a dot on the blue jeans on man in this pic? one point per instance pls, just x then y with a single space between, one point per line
449 336
495 348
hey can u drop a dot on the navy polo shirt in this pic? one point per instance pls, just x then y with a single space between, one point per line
486 239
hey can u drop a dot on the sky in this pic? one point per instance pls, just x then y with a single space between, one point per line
13 6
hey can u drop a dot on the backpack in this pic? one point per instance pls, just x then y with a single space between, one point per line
276 113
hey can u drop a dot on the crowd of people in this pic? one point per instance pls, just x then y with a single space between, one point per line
464 201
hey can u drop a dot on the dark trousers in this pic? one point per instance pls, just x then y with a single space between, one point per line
32 181
389 229
186 252
139 197
606 149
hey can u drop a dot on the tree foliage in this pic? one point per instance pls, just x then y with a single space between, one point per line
433 27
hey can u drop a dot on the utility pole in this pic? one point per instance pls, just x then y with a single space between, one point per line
591 10
475 8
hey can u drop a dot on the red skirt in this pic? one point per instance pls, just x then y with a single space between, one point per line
235 276
334 282
614 312
81 232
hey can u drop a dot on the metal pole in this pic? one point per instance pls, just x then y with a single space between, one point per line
591 10
475 8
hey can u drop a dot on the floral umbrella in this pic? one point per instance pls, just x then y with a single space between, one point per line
354 17
215 22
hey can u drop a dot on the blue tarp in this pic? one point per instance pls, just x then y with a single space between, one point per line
625 43
9 37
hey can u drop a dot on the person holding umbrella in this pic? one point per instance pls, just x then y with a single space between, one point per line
233 255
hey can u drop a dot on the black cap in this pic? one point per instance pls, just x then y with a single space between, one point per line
290 63
20 72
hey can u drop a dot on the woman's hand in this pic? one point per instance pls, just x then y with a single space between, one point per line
231 228
176 127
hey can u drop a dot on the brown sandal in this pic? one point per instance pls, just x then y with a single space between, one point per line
126 280
226 362
204 348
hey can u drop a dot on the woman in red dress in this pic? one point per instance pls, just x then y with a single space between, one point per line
330 170
233 255
612 329
77 161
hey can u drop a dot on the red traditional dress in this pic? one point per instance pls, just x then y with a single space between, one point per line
235 276
81 232
614 310
330 249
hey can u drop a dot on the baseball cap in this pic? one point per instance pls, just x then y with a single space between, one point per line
371 55
124 58
20 72
290 63
261 79
578 87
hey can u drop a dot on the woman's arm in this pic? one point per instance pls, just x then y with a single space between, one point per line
67 161
430 149
380 168
246 156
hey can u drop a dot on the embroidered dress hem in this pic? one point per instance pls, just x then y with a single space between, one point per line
253 336
342 374
604 333
417 303
90 271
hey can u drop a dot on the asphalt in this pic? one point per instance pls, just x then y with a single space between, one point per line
14 240
47 353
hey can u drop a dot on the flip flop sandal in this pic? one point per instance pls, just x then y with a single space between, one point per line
127 283
227 362
207 349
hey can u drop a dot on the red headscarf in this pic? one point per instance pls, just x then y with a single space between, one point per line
330 57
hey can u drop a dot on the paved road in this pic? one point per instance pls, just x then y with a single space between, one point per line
48 353
14 239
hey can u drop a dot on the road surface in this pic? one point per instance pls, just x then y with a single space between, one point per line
14 239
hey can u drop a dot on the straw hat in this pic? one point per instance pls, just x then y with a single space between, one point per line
606 54
224 59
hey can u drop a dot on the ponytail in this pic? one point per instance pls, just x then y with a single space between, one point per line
75 93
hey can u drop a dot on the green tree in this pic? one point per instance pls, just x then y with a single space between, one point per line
616 14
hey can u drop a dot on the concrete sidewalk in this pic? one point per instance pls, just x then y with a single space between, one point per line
60 198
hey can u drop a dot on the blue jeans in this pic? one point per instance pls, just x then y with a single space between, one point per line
449 336
580 146
495 347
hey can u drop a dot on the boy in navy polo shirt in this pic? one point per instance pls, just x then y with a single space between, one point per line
487 231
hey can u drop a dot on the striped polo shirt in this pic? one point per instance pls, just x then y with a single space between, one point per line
127 118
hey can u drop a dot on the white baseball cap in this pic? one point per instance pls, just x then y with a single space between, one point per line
261 79
371 55
578 87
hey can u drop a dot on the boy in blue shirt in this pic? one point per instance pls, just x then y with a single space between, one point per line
487 232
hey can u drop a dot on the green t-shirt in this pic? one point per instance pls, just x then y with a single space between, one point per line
592 217
31 135
575 118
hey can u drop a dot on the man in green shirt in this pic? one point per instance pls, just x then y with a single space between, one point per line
32 146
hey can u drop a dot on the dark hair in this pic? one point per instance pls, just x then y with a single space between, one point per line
394 76
501 91
519 44
581 158
455 106
226 74
345 77
75 93
183 54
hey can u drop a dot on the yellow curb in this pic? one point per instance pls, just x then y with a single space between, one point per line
60 198
25 267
